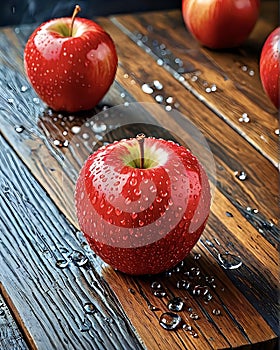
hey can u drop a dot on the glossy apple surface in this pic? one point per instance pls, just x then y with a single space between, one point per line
220 24
142 220
270 66
70 72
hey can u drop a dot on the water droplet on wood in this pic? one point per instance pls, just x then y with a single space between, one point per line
98 127
24 88
75 129
241 175
159 293
169 320
156 285
175 304
62 263
158 85
147 89
89 308
229 261
216 312
187 327
194 316
86 325
19 129
183 284
78 258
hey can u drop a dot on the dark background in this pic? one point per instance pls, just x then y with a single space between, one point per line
36 11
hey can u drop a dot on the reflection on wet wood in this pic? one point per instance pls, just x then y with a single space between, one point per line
59 288
10 335
49 276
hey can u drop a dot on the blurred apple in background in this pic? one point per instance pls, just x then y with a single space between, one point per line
270 66
70 62
219 24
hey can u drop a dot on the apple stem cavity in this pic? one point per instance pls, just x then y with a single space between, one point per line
77 9
140 138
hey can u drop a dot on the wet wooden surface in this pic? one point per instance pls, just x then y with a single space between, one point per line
55 293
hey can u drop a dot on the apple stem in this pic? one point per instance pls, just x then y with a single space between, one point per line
77 9
140 138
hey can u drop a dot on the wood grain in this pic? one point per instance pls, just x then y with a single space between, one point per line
237 85
49 302
58 295
10 335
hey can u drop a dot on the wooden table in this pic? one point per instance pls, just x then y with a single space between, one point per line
55 293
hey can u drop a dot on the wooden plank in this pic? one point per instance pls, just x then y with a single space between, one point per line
58 298
231 153
35 146
232 74
10 335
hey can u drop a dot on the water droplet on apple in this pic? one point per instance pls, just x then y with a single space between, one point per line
134 216
163 194
169 320
118 211
133 181
175 304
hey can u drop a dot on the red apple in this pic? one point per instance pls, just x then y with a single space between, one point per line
142 204
71 63
220 24
269 66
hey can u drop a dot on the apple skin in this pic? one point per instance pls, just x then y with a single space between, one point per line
142 221
70 73
269 66
220 24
